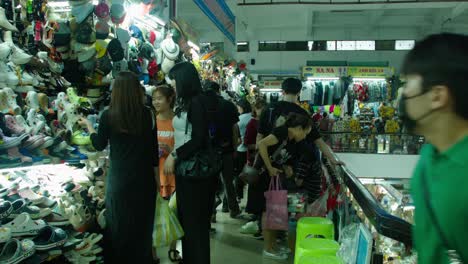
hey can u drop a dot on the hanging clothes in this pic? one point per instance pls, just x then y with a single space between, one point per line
307 92
337 92
319 93
331 93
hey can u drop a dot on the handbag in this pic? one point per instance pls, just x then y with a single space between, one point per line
276 206
204 164
251 173
453 255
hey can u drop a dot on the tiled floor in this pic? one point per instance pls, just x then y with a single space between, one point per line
228 246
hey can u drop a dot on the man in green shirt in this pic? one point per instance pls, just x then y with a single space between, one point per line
434 104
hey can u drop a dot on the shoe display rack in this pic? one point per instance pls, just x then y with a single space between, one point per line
53 212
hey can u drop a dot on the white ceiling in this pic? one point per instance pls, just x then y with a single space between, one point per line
322 21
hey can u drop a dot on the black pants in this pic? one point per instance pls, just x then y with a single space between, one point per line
240 162
228 182
195 201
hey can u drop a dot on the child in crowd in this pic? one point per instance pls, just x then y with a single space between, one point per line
163 101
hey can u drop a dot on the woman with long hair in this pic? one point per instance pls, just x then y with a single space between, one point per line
195 198
130 129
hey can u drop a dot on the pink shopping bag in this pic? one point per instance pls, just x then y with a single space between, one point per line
276 206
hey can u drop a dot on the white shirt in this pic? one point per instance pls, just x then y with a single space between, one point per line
179 124
244 119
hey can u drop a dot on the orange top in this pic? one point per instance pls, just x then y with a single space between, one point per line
166 145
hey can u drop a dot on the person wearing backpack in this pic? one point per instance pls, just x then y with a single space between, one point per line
227 138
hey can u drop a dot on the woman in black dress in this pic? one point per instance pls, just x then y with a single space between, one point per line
129 128
195 198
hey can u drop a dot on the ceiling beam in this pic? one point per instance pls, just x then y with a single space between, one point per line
346 6
374 19
310 24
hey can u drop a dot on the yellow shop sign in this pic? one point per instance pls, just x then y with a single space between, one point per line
370 71
325 71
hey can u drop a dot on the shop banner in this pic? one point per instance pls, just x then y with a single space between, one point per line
270 84
370 72
220 14
324 71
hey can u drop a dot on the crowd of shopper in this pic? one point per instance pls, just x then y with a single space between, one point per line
186 118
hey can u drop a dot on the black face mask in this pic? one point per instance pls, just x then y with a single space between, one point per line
408 122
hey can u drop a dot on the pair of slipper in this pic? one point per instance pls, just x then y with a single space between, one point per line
174 256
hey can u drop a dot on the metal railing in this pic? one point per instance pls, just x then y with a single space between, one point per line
374 143
385 223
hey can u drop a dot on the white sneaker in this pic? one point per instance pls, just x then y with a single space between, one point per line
23 89
28 79
5 51
4 23
19 57
276 256
249 228
11 79
284 250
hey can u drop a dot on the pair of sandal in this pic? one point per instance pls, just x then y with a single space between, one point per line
174 256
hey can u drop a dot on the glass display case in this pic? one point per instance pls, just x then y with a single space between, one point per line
386 209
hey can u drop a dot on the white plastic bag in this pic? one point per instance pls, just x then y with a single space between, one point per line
319 206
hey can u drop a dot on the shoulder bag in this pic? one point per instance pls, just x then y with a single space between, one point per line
203 165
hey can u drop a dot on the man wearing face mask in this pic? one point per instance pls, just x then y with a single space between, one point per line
434 105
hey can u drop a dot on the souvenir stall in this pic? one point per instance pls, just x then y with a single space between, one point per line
57 60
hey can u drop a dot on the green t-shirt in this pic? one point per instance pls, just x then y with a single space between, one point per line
447 179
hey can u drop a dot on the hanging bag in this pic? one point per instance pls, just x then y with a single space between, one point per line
276 206
166 225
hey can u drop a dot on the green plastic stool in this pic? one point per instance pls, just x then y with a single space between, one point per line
320 260
316 247
314 227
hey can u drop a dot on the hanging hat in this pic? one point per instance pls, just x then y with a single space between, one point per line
81 12
136 32
104 65
85 34
101 48
176 35
117 13
62 35
170 49
88 66
102 30
152 37
147 51
85 52
115 50
102 10
159 56
152 68
119 66
167 65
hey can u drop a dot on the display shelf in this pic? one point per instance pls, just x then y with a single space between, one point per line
385 223
377 143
